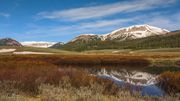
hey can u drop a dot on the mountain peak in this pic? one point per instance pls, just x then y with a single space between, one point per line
134 32
86 37
9 42
125 33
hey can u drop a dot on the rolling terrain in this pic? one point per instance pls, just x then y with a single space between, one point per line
137 37
169 40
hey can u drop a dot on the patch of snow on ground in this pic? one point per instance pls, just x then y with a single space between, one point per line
6 50
28 52
41 44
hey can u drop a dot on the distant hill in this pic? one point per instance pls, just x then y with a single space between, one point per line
169 40
56 45
9 42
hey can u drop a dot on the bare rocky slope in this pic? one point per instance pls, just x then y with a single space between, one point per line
9 42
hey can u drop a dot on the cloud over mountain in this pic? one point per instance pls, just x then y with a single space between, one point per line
104 10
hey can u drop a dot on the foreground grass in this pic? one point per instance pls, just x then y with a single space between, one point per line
92 93
26 76
65 92
59 78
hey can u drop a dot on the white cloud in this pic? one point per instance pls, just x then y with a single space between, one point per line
4 14
166 23
105 23
104 10
159 19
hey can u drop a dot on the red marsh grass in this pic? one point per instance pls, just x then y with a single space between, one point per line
79 60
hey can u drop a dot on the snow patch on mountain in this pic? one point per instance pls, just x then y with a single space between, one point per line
134 32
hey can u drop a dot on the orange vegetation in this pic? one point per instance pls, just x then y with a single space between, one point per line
170 81
27 74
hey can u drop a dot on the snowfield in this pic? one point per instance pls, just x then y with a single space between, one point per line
28 52
7 50
41 44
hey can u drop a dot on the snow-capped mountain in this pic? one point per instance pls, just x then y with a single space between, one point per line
41 44
132 32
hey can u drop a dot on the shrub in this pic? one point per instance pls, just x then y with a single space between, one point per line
170 82
26 76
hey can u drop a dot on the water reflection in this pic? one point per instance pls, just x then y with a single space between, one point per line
135 81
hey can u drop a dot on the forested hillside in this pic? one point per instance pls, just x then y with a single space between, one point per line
170 40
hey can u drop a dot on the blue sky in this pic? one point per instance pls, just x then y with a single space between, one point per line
62 20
